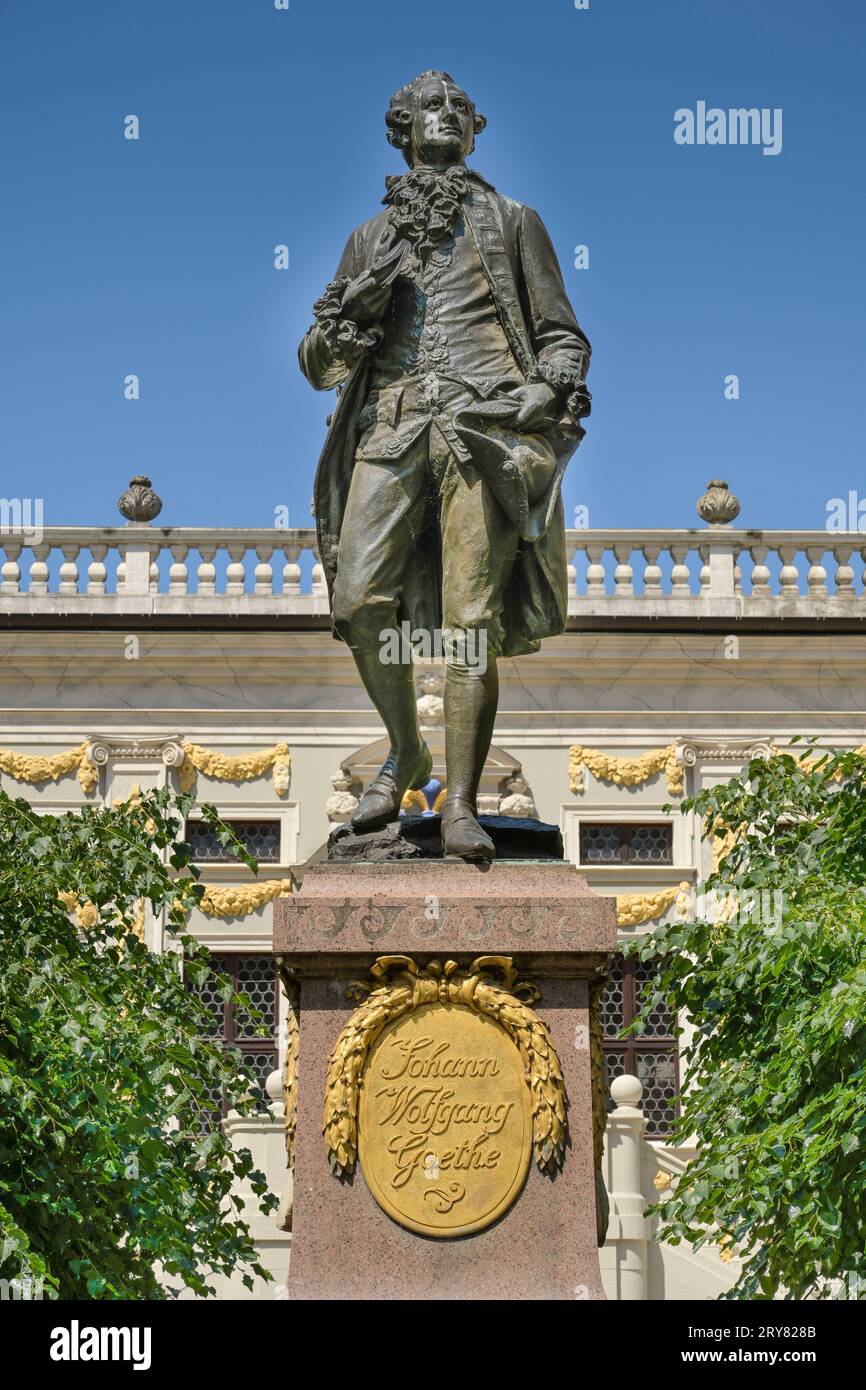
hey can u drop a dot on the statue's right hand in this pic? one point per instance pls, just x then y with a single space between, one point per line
365 300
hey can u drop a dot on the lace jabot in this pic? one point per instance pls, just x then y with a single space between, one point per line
424 205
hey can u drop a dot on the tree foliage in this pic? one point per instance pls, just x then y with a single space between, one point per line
774 984
112 1182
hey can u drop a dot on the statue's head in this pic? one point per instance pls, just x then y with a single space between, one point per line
432 120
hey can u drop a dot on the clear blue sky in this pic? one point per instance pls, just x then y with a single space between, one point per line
261 127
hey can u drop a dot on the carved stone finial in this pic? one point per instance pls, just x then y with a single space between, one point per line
626 1091
139 504
342 801
518 801
431 706
718 506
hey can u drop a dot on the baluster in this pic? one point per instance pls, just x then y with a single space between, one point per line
817 576
680 578
38 583
96 569
789 577
844 576
652 574
153 575
291 571
571 578
738 574
178 575
320 586
69 570
9 570
235 573
623 574
206 572
705 574
760 572
595 576
264 574
627 1148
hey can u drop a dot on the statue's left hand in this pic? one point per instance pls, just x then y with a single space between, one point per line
365 299
534 401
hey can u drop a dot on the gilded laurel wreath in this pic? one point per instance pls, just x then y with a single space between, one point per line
598 1070
290 1066
445 984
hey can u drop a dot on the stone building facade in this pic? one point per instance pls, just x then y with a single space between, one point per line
139 655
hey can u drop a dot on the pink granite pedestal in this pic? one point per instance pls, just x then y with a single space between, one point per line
560 934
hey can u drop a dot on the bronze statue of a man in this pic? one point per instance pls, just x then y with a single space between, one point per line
437 497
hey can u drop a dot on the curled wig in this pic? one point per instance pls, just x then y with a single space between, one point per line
398 117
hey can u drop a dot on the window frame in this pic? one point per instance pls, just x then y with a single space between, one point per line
257 809
605 811
638 1042
622 826
230 819
227 963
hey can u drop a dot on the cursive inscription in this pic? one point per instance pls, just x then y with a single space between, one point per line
445 1124
424 1058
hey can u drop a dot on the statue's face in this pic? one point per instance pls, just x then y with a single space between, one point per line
443 122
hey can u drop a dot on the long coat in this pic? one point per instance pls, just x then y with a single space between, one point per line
548 344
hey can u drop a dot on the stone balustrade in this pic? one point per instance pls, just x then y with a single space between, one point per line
639 1172
141 570
716 572
634 576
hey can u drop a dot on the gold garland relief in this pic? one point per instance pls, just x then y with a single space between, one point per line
633 909
229 901
87 913
38 767
45 767
721 845
235 900
809 761
624 772
243 767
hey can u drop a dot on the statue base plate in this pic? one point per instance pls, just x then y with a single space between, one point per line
420 837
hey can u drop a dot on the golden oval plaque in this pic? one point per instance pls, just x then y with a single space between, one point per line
445 1123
